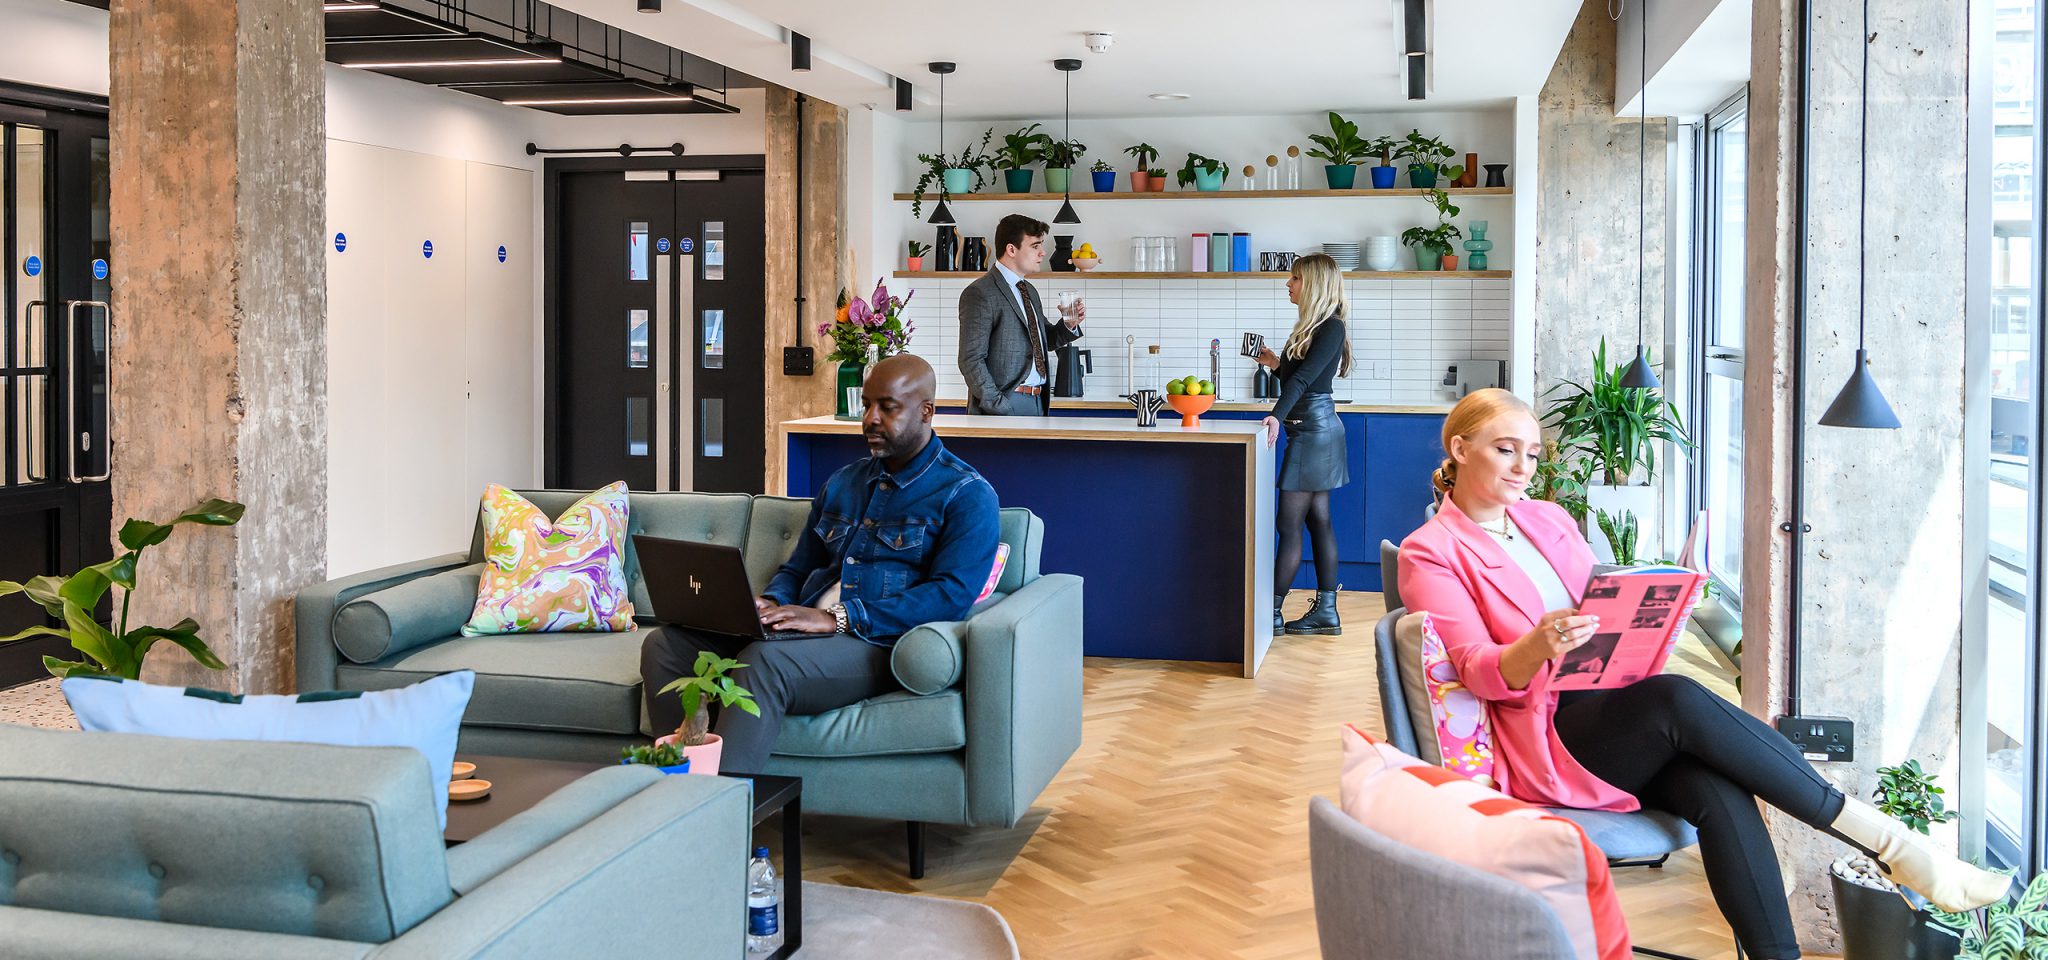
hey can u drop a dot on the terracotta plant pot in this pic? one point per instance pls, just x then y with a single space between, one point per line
704 756
1140 181
916 264
1450 261
1157 185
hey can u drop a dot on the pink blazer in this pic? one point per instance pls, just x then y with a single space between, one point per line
1481 602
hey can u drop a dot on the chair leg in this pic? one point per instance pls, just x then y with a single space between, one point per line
916 850
1646 951
1659 862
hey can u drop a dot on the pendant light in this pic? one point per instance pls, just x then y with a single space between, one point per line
1861 403
1067 214
1639 375
941 215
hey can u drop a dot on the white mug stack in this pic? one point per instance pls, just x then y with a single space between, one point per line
1382 253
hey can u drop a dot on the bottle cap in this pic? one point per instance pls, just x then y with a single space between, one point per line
760 851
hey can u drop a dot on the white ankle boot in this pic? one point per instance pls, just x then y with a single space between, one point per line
1911 860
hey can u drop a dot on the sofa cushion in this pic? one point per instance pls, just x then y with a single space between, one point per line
928 659
898 722
771 536
704 517
1025 533
576 682
545 572
399 618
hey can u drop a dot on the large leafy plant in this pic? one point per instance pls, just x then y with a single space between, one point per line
973 157
1064 154
1209 165
1561 480
1342 146
1429 152
2007 930
1023 148
1615 426
711 681
117 651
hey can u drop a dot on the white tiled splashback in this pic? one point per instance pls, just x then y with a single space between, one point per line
1403 332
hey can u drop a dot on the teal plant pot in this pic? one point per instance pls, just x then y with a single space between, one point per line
1057 179
1105 181
1018 181
1421 176
1341 177
1208 182
1429 256
1383 178
959 180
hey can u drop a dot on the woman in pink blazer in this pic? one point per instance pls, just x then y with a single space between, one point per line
1501 575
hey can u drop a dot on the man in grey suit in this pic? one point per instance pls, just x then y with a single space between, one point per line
1006 340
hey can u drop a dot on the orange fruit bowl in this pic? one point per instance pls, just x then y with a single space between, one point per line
1190 407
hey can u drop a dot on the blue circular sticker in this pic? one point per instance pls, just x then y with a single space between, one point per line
340 242
689 245
32 266
661 245
427 249
99 269
501 253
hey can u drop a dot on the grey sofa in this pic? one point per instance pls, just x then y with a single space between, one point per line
121 845
990 710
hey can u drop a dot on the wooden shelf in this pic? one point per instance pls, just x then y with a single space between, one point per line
1109 275
1361 193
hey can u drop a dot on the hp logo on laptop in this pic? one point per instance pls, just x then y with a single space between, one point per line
695 587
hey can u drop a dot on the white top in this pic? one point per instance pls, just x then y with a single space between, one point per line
1169 429
1032 378
1525 555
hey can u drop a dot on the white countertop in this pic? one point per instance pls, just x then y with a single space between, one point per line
1169 430
1112 403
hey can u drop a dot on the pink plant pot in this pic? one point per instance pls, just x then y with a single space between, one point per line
704 756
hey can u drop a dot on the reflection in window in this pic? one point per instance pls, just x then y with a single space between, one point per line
714 340
636 340
31 429
714 427
636 251
638 412
714 250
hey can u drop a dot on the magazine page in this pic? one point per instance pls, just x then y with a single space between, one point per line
1642 613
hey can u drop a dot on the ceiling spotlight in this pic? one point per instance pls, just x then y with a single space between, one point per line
799 52
1169 96
650 6
903 89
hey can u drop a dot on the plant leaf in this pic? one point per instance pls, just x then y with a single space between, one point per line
62 669
45 591
214 512
185 634
85 588
137 534
36 631
93 640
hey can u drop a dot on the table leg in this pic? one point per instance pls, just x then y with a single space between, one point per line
793 876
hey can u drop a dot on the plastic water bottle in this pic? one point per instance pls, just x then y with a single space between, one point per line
764 904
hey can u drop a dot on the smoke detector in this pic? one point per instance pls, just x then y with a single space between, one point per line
1099 41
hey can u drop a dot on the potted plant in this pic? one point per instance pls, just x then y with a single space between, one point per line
1621 535
1060 157
1155 181
1881 922
1382 174
119 651
1433 244
662 756
1104 175
917 251
1341 148
1019 151
1561 479
1141 178
1206 173
956 173
863 332
1427 156
1616 429
711 682
2002 931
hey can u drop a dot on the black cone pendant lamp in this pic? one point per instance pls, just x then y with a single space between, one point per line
1861 403
941 215
1067 214
1639 375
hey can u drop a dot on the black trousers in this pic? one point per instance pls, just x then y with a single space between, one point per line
802 676
1679 748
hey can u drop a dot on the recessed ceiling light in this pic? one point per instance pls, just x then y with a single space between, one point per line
601 101
1169 96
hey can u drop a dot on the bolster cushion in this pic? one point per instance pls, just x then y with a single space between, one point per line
396 619
928 659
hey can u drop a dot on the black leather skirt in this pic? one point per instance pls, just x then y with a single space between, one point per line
1314 458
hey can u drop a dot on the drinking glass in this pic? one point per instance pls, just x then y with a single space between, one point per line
1067 301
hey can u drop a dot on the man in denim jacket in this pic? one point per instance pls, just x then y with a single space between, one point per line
904 537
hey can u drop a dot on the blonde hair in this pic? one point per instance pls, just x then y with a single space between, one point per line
1479 408
1322 298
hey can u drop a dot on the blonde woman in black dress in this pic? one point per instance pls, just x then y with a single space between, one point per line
1317 351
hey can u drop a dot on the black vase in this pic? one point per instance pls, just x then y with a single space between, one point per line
1496 174
946 248
1062 254
1879 925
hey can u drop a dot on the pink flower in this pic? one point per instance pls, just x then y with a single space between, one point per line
880 300
859 312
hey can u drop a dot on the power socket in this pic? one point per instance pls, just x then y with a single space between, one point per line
1821 739
796 361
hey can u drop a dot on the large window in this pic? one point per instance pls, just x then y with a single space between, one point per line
1723 150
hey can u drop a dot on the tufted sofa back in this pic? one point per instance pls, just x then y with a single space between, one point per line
703 517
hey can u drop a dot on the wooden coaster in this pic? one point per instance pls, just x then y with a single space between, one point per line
469 789
463 769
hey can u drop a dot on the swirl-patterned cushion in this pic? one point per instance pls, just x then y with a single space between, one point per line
541 576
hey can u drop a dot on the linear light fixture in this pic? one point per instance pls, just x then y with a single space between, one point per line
347 7
489 62
594 101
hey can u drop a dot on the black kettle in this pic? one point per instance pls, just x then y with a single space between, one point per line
1070 380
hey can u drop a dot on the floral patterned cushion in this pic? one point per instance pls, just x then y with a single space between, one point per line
541 576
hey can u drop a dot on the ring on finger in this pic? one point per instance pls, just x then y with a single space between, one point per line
1558 625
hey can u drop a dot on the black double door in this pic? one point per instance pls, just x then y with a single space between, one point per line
55 290
655 359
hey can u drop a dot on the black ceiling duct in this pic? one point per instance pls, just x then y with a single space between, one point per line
1415 47
903 90
799 52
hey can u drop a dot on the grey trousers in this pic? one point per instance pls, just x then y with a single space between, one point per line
1014 405
801 676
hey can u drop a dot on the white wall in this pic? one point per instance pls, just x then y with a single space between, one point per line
50 43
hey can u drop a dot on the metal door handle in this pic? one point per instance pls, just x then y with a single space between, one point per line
71 434
1724 356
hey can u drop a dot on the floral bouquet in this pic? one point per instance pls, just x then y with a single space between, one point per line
876 322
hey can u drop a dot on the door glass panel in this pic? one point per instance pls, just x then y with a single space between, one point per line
714 426
636 250
636 340
1731 196
638 418
1723 453
32 428
714 250
714 340
30 231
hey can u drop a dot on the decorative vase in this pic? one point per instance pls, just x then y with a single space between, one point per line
1496 174
1141 181
1475 248
1382 253
916 264
1383 177
1470 177
958 180
847 390
1057 179
1105 181
946 248
702 758
1062 259
1018 181
1341 177
1157 184
1421 175
1429 256
1207 181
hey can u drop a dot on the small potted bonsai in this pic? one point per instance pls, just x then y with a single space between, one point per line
1155 180
1060 157
1206 173
662 756
1426 156
917 251
712 681
1383 174
955 173
1104 175
1878 920
1019 151
1141 178
1341 148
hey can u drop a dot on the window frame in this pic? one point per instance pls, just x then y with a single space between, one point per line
1722 618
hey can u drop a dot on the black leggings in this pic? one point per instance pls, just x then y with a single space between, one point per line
1310 508
1679 748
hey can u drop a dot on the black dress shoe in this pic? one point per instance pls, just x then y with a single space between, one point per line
1321 618
1279 619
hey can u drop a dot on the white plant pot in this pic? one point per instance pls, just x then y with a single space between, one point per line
1637 498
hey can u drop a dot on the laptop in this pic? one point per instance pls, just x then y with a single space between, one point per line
702 586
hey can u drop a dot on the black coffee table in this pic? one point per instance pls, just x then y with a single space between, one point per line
517 783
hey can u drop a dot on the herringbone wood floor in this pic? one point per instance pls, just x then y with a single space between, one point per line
1180 828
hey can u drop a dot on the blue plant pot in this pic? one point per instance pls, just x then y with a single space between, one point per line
1019 181
1105 181
1383 178
1341 177
1208 182
959 180
683 767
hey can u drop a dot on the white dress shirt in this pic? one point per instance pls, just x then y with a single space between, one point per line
1032 378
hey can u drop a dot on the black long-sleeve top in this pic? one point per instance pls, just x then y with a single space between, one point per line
1314 372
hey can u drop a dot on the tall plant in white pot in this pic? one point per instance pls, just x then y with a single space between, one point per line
1616 429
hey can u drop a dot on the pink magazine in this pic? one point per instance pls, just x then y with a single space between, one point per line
1642 613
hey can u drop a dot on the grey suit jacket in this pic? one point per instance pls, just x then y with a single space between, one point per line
995 348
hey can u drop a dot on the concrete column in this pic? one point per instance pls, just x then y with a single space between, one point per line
219 339
1880 625
816 231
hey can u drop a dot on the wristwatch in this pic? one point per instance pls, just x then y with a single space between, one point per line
839 617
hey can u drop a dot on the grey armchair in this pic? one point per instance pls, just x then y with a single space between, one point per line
120 845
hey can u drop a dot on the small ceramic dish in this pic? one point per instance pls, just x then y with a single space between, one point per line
469 789
463 769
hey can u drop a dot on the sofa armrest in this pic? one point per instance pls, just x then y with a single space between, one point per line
1023 696
313 613
930 657
526 833
676 850
55 935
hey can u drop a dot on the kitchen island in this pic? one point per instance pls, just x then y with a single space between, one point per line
1170 528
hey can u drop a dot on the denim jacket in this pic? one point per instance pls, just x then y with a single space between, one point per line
910 547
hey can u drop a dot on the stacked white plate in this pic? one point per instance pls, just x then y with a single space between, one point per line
1346 255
